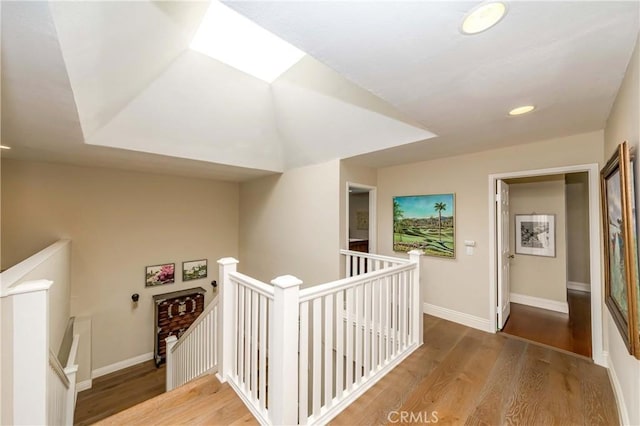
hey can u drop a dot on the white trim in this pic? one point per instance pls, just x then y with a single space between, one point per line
574 285
459 317
617 390
29 287
84 385
372 214
597 344
539 302
107 369
15 273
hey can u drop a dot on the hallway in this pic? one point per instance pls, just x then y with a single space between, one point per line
570 332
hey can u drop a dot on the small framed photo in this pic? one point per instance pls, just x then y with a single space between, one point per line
536 234
194 270
160 274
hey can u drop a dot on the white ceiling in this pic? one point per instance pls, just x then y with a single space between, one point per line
114 83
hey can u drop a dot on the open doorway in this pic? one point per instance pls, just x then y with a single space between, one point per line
361 217
548 261
530 306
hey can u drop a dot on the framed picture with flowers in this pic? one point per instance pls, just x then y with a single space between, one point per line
160 274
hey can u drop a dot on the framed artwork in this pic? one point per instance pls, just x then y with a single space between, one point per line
536 234
194 270
159 274
362 220
620 247
425 222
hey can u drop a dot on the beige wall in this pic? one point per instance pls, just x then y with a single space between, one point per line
119 222
539 276
462 284
623 124
577 195
289 225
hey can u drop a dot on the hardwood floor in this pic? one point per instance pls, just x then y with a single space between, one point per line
204 401
570 332
465 376
118 391
459 376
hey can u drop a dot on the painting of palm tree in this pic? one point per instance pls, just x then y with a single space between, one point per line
425 222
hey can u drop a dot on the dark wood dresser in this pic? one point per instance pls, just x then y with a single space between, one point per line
174 313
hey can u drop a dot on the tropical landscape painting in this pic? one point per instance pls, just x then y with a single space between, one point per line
425 222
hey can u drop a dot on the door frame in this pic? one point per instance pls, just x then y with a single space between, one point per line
595 243
372 214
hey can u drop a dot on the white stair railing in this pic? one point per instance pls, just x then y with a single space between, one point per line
61 390
35 307
301 356
195 353
353 332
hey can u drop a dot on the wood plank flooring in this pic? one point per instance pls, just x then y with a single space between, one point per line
204 401
117 391
570 332
465 376
459 376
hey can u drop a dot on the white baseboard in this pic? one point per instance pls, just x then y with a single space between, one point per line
459 317
617 390
538 302
84 385
574 285
120 365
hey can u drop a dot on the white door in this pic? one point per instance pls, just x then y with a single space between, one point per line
504 254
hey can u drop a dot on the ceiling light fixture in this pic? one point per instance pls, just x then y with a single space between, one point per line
4 147
228 36
522 110
483 17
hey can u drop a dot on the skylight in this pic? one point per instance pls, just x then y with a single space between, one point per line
229 37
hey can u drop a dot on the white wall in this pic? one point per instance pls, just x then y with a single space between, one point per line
539 276
623 124
577 195
462 284
119 222
289 225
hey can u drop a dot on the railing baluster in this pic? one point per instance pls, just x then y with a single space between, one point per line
366 352
262 370
303 372
247 339
339 311
328 350
240 334
358 312
254 346
317 355
387 322
350 337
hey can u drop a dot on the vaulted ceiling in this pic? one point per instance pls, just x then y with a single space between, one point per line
115 83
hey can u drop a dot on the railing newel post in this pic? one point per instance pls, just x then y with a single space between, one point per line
170 367
415 257
283 351
226 322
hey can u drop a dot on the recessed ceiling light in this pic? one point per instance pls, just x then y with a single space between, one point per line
483 17
522 110
4 147
228 36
